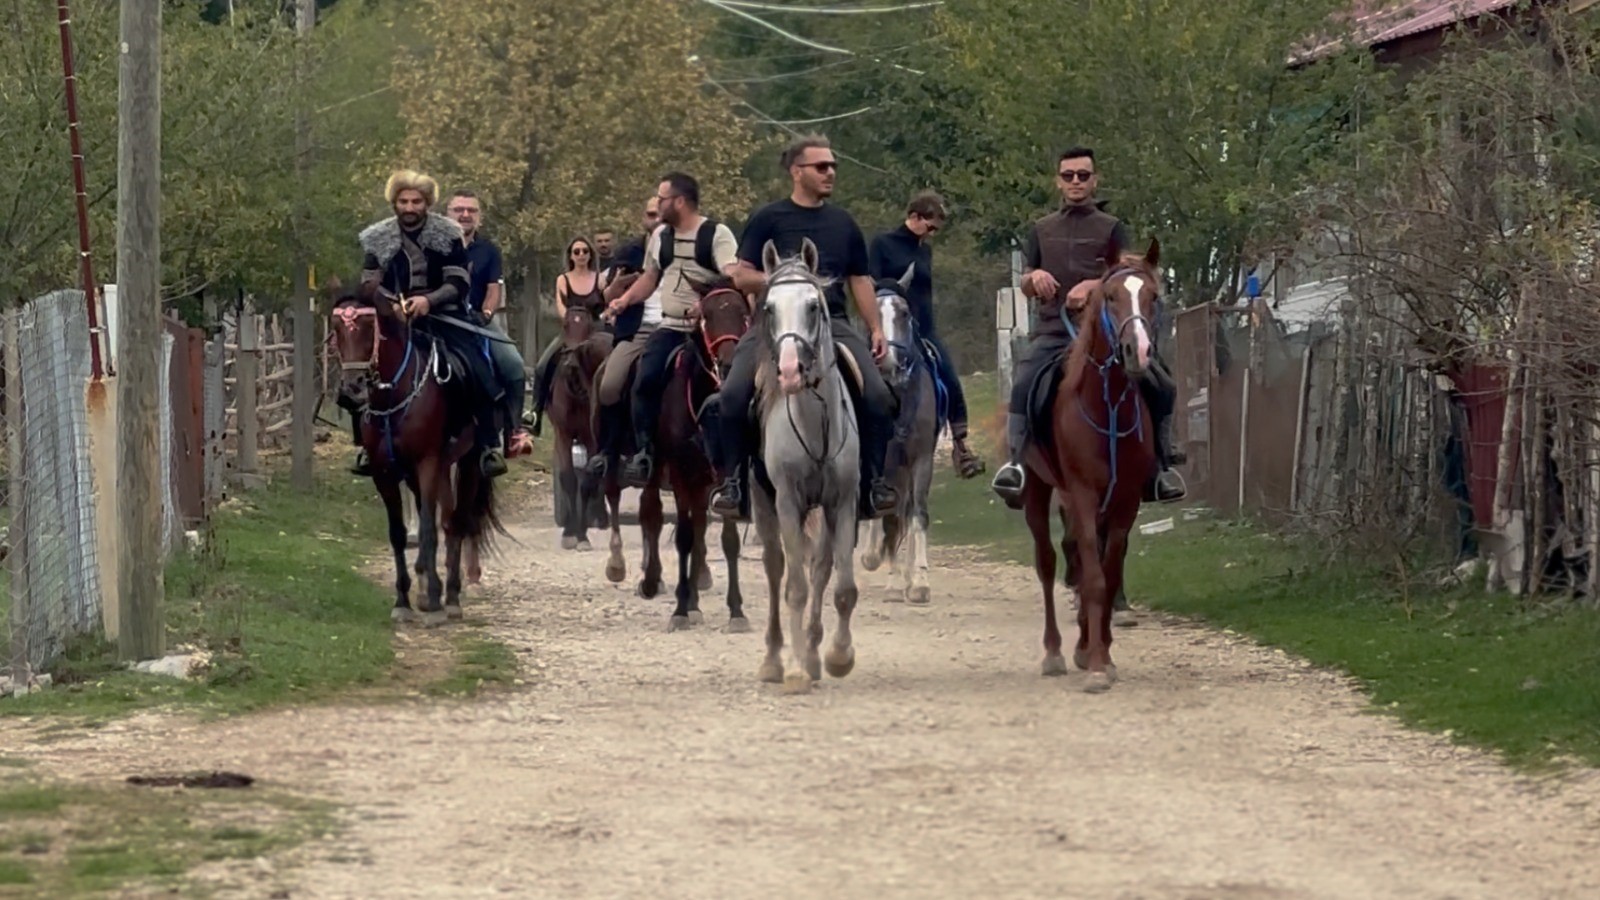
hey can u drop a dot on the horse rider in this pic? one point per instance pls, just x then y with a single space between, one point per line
687 246
906 247
1070 247
580 256
418 258
630 328
484 296
842 259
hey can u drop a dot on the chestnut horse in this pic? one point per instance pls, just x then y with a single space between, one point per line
696 374
583 349
1100 455
417 429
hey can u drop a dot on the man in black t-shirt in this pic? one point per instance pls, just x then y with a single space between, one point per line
841 257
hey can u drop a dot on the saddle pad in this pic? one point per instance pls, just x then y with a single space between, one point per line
1042 398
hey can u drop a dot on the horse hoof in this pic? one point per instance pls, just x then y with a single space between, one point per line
814 668
419 569
696 617
770 673
797 683
583 547
738 625
871 563
474 577
647 590
1111 672
1097 683
1054 664
568 542
678 623
615 572
1080 658
452 611
840 662
435 618
702 582
1124 618
918 596
400 615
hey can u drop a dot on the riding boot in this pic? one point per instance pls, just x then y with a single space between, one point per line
1170 451
605 442
641 466
363 465
492 463
877 496
1008 482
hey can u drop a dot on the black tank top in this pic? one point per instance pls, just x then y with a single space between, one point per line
594 301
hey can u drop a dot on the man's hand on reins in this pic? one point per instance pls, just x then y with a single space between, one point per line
415 307
1079 295
880 344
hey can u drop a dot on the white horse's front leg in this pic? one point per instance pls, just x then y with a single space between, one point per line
871 556
842 654
917 562
772 561
796 551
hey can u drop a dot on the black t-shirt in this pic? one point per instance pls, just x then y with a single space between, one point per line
841 248
628 259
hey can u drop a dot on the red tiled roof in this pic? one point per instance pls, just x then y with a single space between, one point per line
1378 22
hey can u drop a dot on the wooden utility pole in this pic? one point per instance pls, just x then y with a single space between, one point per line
141 629
304 405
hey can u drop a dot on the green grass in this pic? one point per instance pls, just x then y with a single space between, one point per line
92 840
277 597
479 663
1521 677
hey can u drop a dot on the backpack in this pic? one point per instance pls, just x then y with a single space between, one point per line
703 239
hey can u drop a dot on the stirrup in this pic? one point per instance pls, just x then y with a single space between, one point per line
636 474
1011 494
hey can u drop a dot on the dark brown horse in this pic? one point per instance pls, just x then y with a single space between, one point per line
1101 453
684 466
583 349
416 428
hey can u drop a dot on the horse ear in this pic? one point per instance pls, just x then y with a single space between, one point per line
769 257
905 280
1153 254
808 254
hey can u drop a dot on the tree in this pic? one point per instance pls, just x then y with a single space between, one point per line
1204 132
562 116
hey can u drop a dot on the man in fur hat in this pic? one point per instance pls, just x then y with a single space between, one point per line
419 258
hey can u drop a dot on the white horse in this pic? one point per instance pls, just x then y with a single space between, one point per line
809 451
916 434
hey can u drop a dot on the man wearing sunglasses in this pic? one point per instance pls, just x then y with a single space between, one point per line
842 259
1065 256
891 254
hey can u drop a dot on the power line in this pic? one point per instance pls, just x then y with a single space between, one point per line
766 119
833 10
820 119
725 6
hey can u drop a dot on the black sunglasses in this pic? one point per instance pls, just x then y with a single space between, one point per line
1071 175
824 167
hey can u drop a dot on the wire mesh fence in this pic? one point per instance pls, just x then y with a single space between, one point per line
52 588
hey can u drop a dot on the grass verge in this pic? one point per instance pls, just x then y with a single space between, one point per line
69 841
279 598
1499 672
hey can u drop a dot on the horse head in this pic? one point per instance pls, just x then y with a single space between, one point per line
724 318
1125 307
355 337
899 330
577 326
795 313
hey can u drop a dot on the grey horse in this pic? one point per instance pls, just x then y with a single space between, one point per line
809 447
916 433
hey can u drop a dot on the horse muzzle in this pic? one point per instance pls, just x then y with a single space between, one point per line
355 386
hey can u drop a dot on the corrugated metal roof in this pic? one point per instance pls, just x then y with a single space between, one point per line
1379 22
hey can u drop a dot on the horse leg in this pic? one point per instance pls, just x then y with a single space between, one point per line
434 483
821 560
683 539
1116 554
569 514
393 504
699 512
616 566
872 556
585 506
650 521
1036 510
917 553
1094 606
842 654
773 561
737 623
455 539
474 565
796 551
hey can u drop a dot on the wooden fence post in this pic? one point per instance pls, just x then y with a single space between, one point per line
245 424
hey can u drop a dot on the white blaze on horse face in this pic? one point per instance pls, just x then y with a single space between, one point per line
1141 335
786 304
890 325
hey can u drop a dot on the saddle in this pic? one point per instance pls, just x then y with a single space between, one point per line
1042 398
474 368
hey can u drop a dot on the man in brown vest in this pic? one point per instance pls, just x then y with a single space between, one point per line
1069 247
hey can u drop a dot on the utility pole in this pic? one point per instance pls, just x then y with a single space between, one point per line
304 404
141 630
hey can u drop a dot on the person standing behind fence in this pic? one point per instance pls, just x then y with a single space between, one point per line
906 247
485 289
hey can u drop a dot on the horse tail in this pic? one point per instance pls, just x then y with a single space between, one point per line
479 515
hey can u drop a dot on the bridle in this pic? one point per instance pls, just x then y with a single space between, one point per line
806 345
346 318
712 367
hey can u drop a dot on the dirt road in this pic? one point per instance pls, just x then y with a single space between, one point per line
636 763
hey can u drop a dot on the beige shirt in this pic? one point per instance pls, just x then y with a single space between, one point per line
677 295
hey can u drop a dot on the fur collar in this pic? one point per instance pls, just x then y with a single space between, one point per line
382 239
